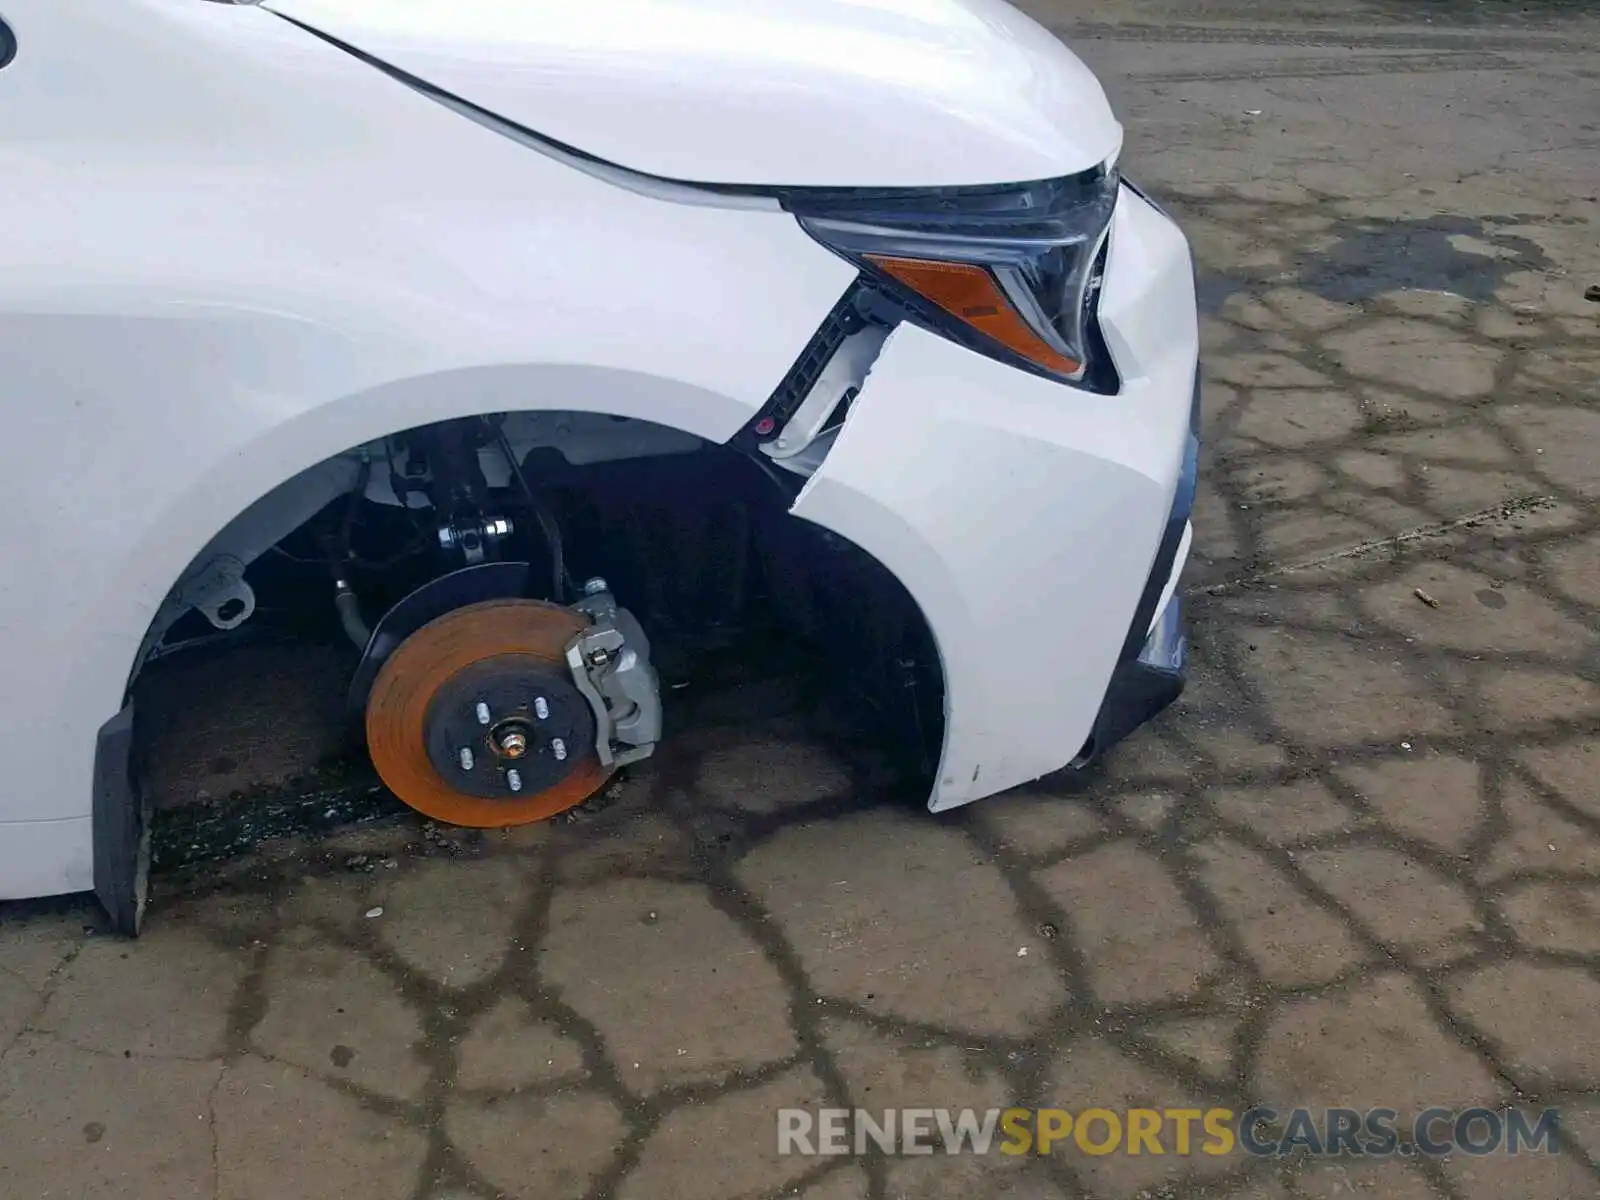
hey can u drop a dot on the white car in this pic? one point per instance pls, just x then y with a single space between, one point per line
837 308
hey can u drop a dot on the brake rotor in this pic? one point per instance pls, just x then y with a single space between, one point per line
474 719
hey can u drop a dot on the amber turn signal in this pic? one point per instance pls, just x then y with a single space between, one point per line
971 294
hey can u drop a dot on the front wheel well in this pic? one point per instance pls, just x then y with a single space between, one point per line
696 539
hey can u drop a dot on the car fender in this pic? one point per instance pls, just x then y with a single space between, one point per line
246 251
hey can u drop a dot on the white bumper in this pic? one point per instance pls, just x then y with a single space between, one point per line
1023 516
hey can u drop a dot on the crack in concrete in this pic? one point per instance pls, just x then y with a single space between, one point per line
1367 549
1328 68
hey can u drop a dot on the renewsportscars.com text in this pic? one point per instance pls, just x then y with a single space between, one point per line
1213 1132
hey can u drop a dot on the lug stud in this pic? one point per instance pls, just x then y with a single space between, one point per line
559 749
483 713
514 780
466 758
541 707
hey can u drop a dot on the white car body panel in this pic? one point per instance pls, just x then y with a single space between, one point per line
236 266
797 92
245 250
1023 516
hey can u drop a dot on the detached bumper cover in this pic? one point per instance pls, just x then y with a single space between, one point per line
1038 527
1150 674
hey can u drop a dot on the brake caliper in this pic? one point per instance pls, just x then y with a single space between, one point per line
610 664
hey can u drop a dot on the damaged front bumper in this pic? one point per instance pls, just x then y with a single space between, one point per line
1151 672
1039 528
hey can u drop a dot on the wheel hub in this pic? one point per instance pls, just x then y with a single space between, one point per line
513 689
509 739
475 720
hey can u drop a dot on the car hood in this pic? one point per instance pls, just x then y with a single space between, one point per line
829 93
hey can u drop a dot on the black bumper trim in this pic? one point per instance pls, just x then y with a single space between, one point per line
1137 693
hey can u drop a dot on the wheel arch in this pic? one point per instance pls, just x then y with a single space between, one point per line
251 495
268 487
243 498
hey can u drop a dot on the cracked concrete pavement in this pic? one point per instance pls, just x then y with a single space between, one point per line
1358 864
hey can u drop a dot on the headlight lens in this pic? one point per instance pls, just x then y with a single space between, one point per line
1009 270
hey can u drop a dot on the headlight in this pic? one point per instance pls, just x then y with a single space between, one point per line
1010 270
